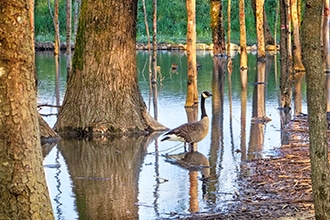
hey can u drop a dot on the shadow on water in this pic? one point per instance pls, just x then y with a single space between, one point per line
140 177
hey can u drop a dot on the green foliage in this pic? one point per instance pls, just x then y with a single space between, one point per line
44 26
171 20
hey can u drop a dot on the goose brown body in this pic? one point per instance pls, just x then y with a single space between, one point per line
191 132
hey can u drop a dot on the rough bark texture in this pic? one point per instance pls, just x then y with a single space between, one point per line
102 93
218 33
316 100
260 29
23 189
192 93
269 39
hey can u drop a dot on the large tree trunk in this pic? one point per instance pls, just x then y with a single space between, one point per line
23 189
316 101
102 93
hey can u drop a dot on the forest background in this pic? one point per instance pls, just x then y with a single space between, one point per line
171 20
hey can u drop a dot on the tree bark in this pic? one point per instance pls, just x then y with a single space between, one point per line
296 47
316 101
192 93
68 35
218 33
102 94
326 47
260 29
23 189
286 63
242 37
268 37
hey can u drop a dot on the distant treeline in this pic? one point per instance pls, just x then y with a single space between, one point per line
171 21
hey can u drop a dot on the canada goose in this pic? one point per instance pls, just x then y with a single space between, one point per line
191 132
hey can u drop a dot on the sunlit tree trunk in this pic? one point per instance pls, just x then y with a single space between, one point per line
218 33
286 62
296 47
326 47
260 29
242 39
267 33
102 93
57 29
23 193
192 93
243 57
316 102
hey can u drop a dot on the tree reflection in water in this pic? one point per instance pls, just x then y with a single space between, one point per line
127 177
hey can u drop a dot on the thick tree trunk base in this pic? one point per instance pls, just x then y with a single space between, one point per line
115 130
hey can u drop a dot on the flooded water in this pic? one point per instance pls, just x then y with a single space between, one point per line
135 177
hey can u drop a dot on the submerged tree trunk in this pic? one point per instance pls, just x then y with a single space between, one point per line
102 93
23 189
154 60
192 93
316 101
286 63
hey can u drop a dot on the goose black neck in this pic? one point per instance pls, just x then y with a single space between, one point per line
203 107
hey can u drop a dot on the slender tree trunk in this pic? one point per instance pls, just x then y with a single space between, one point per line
218 33
68 35
242 36
23 189
267 33
154 60
102 94
326 47
57 29
286 63
229 27
297 62
316 101
192 93
260 29
77 4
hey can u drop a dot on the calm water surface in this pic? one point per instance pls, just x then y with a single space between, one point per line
107 179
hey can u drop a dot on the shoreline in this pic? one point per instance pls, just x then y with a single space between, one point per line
49 46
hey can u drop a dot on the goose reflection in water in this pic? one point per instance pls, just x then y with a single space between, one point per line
194 161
